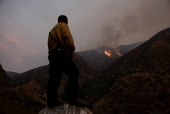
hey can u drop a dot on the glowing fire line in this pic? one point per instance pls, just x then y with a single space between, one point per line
117 51
107 53
119 54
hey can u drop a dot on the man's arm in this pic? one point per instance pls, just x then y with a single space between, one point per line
67 39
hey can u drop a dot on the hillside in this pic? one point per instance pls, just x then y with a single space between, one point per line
5 82
139 80
40 73
11 74
12 102
34 89
126 48
98 58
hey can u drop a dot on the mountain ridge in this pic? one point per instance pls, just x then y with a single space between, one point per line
139 80
5 81
98 58
11 74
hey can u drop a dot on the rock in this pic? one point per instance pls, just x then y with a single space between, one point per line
66 109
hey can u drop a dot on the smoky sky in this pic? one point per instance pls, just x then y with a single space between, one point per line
24 26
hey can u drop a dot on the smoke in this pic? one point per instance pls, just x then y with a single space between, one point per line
1 1
146 18
111 36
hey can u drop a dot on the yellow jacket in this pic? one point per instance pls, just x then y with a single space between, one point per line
64 37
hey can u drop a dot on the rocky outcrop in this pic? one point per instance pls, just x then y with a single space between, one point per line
5 82
65 109
34 90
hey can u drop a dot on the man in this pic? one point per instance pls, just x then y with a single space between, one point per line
61 51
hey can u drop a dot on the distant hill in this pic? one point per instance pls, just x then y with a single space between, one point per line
11 74
139 81
40 73
98 58
126 48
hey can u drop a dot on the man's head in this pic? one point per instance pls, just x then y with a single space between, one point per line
62 18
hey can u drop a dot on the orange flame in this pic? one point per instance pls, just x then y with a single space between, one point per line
119 54
117 51
107 53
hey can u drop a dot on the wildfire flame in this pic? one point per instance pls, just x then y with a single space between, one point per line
119 54
117 51
107 53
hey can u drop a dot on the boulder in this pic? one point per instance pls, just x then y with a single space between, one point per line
66 109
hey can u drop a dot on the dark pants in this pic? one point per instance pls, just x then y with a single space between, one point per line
61 62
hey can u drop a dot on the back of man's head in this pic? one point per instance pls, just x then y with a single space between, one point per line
62 18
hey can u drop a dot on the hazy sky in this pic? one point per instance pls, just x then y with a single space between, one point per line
25 24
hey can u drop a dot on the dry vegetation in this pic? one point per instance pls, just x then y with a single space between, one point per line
137 93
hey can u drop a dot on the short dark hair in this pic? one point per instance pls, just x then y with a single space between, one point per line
62 18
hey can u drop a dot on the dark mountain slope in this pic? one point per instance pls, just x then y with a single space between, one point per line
34 89
140 79
12 102
5 82
96 59
153 56
40 73
100 61
11 74
126 48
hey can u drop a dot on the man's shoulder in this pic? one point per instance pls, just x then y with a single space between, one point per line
64 26
56 26
61 24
